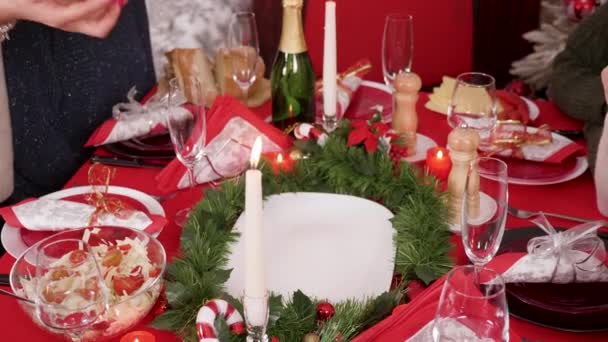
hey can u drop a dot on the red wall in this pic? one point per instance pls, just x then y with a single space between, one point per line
443 34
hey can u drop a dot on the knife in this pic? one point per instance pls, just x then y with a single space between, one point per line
571 134
126 162
4 280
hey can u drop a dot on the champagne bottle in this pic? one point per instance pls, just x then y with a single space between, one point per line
292 78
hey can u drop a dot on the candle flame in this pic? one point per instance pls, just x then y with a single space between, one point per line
280 158
440 154
256 151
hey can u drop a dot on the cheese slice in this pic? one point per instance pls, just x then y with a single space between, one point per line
472 100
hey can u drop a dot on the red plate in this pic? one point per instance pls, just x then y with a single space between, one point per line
152 147
31 237
529 170
580 307
152 143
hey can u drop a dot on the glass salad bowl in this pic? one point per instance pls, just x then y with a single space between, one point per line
130 265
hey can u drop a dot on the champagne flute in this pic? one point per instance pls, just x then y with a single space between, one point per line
187 127
244 48
473 102
397 46
484 209
70 293
472 307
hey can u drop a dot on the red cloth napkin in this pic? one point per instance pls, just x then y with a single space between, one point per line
348 83
514 107
409 319
556 119
39 218
132 126
231 130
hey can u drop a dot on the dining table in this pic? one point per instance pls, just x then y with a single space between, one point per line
575 197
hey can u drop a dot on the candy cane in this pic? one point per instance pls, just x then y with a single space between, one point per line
206 317
306 131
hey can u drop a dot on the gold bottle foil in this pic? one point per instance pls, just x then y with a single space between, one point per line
292 34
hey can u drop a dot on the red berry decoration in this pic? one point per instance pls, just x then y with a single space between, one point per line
325 311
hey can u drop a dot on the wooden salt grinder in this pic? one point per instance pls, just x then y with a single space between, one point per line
405 118
463 144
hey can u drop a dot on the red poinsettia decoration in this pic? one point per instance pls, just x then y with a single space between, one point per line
366 133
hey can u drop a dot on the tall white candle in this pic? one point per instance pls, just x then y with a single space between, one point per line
255 274
329 60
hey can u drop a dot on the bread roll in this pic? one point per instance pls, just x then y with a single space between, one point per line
186 63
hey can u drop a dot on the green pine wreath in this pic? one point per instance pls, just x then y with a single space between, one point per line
420 222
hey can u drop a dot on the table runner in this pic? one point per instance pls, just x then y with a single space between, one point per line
16 326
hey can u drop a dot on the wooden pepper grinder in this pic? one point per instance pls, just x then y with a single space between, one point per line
405 119
463 144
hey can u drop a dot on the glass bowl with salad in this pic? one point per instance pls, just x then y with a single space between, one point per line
131 264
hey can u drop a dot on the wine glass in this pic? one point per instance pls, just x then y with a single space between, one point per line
472 307
244 48
484 208
70 292
473 102
397 46
187 127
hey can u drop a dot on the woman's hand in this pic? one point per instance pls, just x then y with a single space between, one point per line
91 17
605 82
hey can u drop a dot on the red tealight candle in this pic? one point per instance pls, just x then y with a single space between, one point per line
438 162
138 336
280 161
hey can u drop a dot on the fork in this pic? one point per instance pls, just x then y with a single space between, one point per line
526 214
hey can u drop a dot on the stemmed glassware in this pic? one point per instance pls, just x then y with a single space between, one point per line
473 102
483 225
472 307
397 46
187 127
70 293
244 48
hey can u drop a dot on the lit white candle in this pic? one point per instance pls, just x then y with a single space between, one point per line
329 60
255 274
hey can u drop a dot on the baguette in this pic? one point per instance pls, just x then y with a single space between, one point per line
185 63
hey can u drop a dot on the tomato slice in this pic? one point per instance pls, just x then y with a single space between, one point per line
112 258
90 290
127 283
78 257
124 248
154 272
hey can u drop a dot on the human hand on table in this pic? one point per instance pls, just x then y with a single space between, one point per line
91 17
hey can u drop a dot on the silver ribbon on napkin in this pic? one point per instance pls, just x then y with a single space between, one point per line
574 255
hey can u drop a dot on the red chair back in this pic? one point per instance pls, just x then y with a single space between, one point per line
443 34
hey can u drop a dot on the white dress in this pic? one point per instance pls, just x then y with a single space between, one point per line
189 24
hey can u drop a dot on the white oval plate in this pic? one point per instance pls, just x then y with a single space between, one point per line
11 239
423 144
333 247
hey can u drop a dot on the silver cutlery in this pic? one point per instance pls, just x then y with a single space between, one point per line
126 162
526 214
10 294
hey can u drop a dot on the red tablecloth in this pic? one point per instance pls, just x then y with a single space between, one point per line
576 197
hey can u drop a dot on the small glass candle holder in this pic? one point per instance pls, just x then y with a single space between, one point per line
256 317
330 122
